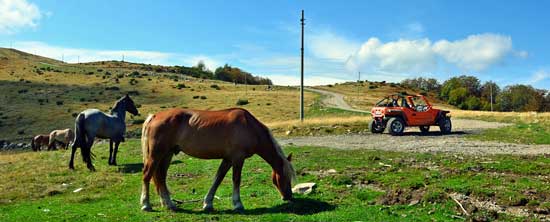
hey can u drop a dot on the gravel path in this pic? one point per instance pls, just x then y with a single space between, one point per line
335 100
413 141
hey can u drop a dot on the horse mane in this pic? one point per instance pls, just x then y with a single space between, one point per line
117 104
288 169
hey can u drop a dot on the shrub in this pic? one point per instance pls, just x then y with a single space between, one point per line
242 102
74 115
59 103
137 121
114 88
373 86
215 87
203 97
196 97
22 91
180 86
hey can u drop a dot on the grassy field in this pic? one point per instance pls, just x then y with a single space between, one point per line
367 185
43 94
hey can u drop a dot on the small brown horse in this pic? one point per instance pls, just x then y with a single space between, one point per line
39 141
231 135
64 137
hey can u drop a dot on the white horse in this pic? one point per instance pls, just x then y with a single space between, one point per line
92 123
65 137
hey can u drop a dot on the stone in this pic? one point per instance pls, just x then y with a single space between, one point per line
304 188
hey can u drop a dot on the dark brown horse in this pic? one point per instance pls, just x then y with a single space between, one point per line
39 141
231 135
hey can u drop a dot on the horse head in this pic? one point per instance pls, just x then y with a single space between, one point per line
129 105
282 178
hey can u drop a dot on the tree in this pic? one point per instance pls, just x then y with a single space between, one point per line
520 98
458 96
201 66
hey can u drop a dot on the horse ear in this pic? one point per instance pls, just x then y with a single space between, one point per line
289 158
127 96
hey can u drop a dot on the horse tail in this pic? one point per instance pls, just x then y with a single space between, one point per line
144 135
33 144
80 138
79 129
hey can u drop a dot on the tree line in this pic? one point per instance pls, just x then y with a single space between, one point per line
224 73
468 93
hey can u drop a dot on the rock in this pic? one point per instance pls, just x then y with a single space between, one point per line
304 188
288 132
77 190
20 145
331 171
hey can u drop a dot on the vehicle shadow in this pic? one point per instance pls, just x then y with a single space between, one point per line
434 133
299 206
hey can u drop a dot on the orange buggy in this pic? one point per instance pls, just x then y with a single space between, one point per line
395 112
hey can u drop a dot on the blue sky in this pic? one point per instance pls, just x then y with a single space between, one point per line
503 41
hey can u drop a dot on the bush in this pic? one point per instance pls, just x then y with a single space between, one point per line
59 103
203 97
215 87
138 121
196 97
22 91
373 86
242 102
114 88
181 86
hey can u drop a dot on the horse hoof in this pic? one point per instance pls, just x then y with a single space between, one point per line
147 208
208 208
173 208
239 209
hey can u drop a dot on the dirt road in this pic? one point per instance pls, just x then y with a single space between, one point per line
335 100
413 141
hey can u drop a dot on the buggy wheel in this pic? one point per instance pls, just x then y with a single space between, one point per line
424 129
445 125
396 126
375 127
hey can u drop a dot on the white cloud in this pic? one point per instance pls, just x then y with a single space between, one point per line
476 52
73 55
327 45
538 76
294 80
18 14
522 54
399 56
210 63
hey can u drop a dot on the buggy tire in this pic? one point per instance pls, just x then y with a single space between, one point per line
424 129
375 127
445 125
396 126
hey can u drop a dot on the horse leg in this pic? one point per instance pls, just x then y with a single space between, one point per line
88 150
71 162
222 170
149 167
110 152
160 182
237 169
114 153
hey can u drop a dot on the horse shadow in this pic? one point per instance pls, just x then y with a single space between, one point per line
299 206
137 167
130 168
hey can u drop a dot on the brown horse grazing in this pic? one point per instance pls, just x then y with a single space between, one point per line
65 137
231 135
39 141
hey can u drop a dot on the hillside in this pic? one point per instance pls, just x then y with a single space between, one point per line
365 94
40 94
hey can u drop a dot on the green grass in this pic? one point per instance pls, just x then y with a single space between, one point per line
364 187
522 133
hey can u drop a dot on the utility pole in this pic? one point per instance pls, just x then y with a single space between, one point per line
78 59
62 57
491 88
122 57
359 78
302 72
